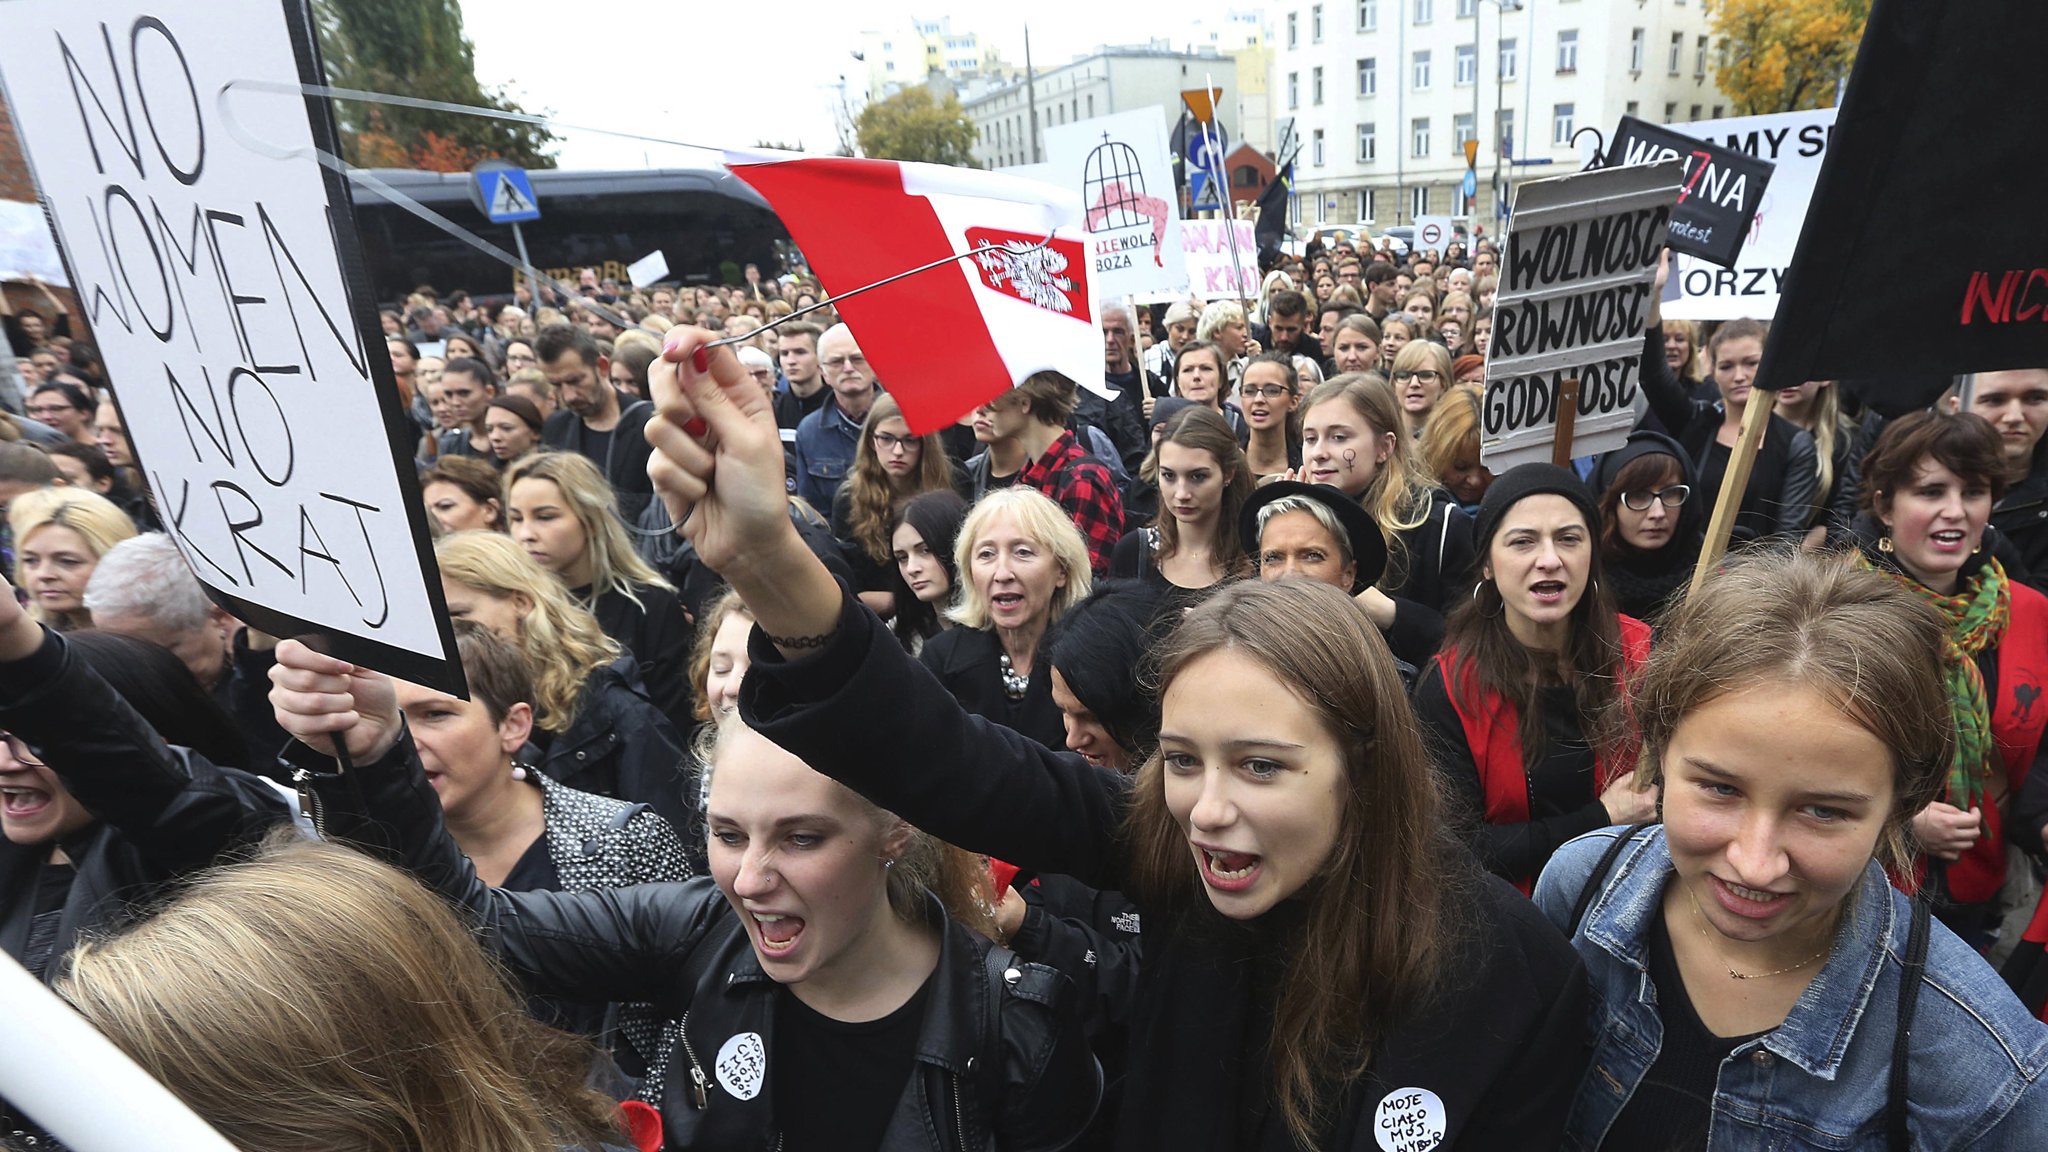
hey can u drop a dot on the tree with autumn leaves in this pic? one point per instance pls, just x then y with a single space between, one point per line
912 125
1786 55
417 48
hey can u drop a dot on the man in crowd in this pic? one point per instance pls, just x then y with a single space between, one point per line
1122 420
806 389
467 387
2016 403
1382 285
1286 327
1033 417
825 439
596 419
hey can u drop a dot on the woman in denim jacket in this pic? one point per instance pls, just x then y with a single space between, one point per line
1748 959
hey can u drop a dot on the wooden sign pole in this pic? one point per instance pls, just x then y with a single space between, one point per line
1733 482
1567 417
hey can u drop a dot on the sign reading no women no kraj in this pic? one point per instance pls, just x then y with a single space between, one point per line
217 264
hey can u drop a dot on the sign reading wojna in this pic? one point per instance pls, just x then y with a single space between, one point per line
215 260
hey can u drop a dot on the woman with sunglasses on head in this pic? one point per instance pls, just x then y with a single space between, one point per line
1653 521
890 466
1758 981
1309 987
1522 703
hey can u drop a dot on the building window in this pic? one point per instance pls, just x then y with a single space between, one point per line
1635 50
1507 59
1631 107
1461 130
1419 146
1568 50
1368 144
1561 124
1467 58
1315 85
1677 50
1418 202
1366 213
1369 77
1245 176
1316 148
1315 24
1293 91
1293 29
1424 11
1699 59
1467 8
1696 110
1422 71
1368 15
1505 131
1671 112
1720 110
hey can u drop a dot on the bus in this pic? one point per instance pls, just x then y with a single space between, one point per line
707 224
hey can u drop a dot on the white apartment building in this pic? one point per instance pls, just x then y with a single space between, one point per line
1106 81
1384 94
902 55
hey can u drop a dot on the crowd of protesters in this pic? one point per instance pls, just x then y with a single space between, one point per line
1234 762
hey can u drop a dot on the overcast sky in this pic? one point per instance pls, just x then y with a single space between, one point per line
735 72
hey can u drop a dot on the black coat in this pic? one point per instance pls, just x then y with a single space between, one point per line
1440 563
658 637
620 745
163 812
968 661
623 459
1500 1048
2021 516
681 948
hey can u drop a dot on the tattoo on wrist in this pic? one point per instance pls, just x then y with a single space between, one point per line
798 643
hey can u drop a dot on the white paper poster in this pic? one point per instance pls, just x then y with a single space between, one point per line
1796 142
1120 167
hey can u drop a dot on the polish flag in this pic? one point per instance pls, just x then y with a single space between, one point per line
954 337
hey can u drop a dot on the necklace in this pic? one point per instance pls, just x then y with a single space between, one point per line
1014 682
1732 973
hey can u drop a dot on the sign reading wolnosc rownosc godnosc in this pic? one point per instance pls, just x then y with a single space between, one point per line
1579 266
216 262
1723 188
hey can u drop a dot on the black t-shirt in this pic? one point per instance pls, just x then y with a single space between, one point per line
1671 1109
535 871
995 481
837 1084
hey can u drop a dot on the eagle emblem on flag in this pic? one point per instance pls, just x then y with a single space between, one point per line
1032 269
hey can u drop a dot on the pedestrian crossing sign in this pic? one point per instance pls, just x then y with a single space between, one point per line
507 195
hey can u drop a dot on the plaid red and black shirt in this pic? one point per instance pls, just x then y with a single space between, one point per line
1084 487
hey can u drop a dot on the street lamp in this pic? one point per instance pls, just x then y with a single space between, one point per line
1499 94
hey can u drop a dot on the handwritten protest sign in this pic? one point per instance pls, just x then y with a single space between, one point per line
1215 270
215 260
1580 261
1120 167
1794 143
1721 193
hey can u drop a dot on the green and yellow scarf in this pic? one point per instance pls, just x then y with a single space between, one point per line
1977 615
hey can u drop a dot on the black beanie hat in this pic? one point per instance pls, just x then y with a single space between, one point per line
1526 480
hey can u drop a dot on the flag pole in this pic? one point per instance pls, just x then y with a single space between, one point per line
1227 206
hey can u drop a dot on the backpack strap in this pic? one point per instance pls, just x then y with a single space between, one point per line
1909 997
1598 879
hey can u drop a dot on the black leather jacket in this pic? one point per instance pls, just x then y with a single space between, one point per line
162 811
622 746
1015 1069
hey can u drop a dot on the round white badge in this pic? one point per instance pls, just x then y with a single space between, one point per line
1409 1120
743 1065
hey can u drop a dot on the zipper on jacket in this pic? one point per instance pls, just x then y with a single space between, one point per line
309 801
959 1116
699 1086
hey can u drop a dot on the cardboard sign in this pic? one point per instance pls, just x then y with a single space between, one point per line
1720 195
1927 130
216 262
1124 174
1580 261
1216 271
1794 143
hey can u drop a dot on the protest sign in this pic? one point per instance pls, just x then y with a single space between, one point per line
25 246
1580 260
1433 234
1121 168
1927 127
1216 269
216 262
1719 197
1794 143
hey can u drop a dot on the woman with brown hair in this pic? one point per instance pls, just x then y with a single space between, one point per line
1323 934
1203 482
889 467
360 1014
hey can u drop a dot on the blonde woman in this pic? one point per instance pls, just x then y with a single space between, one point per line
1353 438
361 1015
594 725
1421 373
559 509
1022 564
59 536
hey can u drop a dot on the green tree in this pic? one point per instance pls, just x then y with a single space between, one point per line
417 48
912 126
1786 55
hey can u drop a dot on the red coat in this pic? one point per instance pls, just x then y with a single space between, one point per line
2018 717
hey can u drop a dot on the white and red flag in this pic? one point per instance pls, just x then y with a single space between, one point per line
951 338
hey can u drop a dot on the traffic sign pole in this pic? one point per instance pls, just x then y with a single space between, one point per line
526 263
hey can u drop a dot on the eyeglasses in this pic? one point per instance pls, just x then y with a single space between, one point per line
1671 497
886 442
19 749
839 362
1265 391
1426 375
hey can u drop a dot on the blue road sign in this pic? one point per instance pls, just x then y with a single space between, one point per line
1471 185
1203 185
507 195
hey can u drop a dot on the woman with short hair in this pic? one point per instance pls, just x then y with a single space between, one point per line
463 494
59 536
512 427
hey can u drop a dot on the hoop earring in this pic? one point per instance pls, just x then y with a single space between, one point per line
1884 545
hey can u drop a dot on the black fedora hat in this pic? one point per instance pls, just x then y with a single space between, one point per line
1368 546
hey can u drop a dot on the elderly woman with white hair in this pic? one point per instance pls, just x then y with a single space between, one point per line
1224 324
1181 320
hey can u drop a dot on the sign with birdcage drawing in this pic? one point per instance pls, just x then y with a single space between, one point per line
1121 167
